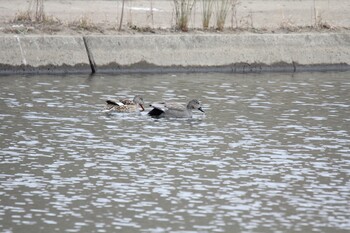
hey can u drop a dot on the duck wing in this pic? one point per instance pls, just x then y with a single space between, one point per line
175 106
160 106
113 103
126 101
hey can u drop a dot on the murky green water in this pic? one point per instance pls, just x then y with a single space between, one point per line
272 154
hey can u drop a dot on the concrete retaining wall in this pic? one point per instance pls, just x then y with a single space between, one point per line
173 53
43 54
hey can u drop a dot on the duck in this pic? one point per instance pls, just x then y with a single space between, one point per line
125 105
174 109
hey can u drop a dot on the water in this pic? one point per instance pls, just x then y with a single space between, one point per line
272 154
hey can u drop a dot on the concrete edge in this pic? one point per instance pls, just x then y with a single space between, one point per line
175 53
231 68
45 69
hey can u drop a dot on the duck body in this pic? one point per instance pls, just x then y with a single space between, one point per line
174 109
125 105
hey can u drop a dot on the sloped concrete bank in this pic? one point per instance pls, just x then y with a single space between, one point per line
175 53
43 54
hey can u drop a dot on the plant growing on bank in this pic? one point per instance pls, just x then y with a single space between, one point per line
121 16
234 6
207 12
22 16
222 9
34 13
288 24
37 8
150 15
183 9
319 23
84 23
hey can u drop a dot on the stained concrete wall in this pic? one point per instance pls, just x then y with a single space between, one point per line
242 53
177 52
43 54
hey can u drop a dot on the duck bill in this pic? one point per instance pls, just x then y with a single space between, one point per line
143 109
200 109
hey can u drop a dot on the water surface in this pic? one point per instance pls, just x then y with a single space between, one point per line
271 154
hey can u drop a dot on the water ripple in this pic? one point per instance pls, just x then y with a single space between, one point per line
271 154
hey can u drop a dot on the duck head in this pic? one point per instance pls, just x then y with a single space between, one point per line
195 104
139 100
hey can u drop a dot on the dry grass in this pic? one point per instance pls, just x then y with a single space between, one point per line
234 7
288 24
22 16
35 15
142 29
25 17
34 19
222 8
18 29
38 9
246 22
207 12
318 23
183 9
84 23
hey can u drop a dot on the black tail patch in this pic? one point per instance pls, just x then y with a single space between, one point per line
111 102
155 112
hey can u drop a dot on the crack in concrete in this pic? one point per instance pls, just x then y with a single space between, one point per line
90 56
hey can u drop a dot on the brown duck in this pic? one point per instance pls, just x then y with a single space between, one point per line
125 105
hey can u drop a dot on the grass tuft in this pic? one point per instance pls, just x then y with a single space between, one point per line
207 12
222 9
183 9
84 23
22 16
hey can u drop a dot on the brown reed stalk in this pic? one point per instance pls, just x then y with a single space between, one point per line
222 8
207 12
183 9
121 16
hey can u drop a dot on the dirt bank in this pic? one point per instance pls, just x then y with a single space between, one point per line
73 17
